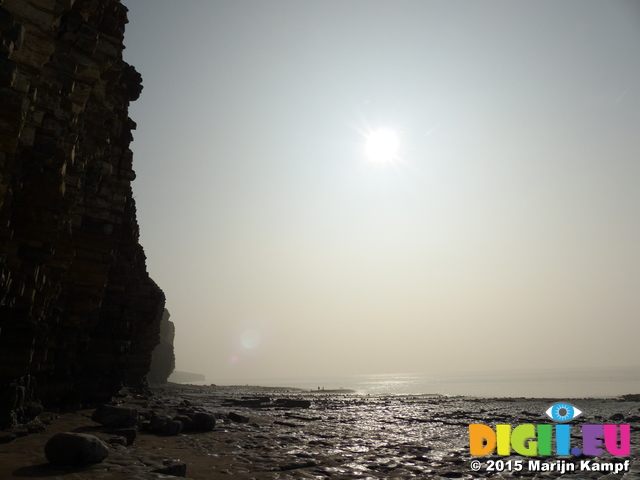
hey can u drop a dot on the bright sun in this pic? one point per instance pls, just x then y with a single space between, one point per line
382 145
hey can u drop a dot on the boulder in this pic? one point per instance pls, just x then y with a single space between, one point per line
114 417
47 417
36 427
34 409
19 431
187 423
157 422
289 403
174 468
203 421
236 417
296 465
6 437
111 439
173 427
165 425
69 448
129 433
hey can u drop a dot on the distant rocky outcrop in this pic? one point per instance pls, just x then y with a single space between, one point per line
79 315
163 360
186 377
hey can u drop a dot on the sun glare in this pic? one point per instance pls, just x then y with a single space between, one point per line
382 145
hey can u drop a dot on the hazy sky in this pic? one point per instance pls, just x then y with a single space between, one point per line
505 235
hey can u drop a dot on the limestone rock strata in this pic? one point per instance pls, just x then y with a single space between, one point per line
79 315
163 360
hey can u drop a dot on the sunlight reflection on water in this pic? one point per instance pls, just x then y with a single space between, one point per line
561 383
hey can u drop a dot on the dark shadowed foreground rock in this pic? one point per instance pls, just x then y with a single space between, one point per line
236 417
129 434
163 424
111 416
187 423
6 437
203 421
173 467
290 403
75 449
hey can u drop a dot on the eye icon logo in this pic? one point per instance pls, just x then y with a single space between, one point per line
538 440
563 412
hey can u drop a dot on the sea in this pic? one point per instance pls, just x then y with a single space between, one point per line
561 383
394 434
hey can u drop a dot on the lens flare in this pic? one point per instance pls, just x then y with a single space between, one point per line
250 338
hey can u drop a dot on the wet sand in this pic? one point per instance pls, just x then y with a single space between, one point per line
339 436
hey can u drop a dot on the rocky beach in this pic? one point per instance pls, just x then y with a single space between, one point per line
291 257
209 432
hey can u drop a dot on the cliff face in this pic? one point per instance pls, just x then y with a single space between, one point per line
163 360
79 315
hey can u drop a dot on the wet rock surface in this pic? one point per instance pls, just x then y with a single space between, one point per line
335 436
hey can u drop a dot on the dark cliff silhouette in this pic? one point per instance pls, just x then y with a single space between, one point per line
79 315
163 360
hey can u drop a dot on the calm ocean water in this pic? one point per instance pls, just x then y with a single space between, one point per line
560 383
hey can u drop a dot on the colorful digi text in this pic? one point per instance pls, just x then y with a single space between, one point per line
530 440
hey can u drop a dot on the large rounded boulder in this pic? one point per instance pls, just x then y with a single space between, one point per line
69 448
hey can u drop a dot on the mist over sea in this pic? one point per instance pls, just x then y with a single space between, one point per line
561 383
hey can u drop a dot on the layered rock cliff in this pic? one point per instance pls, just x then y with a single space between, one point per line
163 360
79 315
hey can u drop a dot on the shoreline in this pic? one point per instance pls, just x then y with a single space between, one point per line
248 387
283 432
